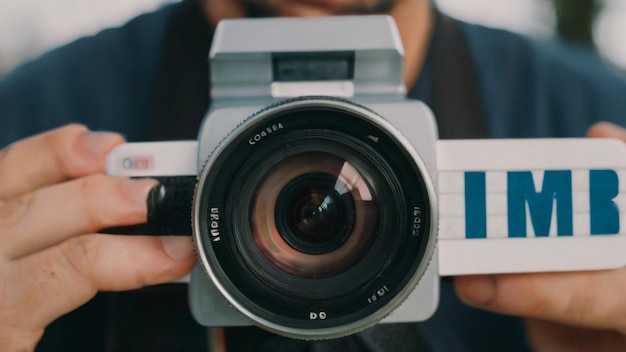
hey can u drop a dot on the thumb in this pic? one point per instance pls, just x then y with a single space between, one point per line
607 130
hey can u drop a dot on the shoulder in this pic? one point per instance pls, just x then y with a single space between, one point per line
90 80
543 88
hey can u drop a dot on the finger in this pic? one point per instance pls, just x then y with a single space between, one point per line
607 130
588 299
53 282
53 214
61 154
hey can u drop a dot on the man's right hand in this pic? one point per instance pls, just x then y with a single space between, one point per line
54 197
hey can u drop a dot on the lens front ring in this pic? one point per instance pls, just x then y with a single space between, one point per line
360 116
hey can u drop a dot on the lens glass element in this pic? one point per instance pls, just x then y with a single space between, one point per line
314 215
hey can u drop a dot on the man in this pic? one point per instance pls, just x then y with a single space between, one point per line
149 81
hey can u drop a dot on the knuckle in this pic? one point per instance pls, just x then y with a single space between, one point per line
63 144
105 201
88 257
549 295
78 254
539 306
580 306
588 300
14 210
521 294
72 129
92 190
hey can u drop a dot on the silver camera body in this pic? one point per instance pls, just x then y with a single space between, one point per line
244 59
314 213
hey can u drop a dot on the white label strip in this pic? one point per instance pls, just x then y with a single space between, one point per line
515 154
532 205
522 255
178 158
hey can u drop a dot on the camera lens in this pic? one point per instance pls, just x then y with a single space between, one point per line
304 218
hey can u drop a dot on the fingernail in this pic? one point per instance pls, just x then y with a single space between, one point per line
476 290
138 189
177 248
99 143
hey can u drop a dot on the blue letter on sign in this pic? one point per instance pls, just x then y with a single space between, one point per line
557 185
475 205
603 212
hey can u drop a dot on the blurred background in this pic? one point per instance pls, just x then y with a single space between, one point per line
30 27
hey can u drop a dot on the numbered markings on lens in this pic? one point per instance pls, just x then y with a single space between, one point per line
379 294
317 315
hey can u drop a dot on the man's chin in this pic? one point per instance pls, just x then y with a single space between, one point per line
290 9
311 8
305 10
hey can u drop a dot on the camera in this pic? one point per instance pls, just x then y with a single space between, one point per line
316 192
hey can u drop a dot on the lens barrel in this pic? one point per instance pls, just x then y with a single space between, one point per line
304 218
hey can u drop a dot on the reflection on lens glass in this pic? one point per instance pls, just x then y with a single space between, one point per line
314 215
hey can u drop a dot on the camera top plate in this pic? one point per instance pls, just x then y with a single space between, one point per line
366 59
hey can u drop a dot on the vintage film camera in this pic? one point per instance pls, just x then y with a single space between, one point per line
322 202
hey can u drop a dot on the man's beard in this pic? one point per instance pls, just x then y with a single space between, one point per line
265 8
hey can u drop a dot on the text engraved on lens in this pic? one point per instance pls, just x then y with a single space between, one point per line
379 294
317 316
214 224
417 221
257 137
